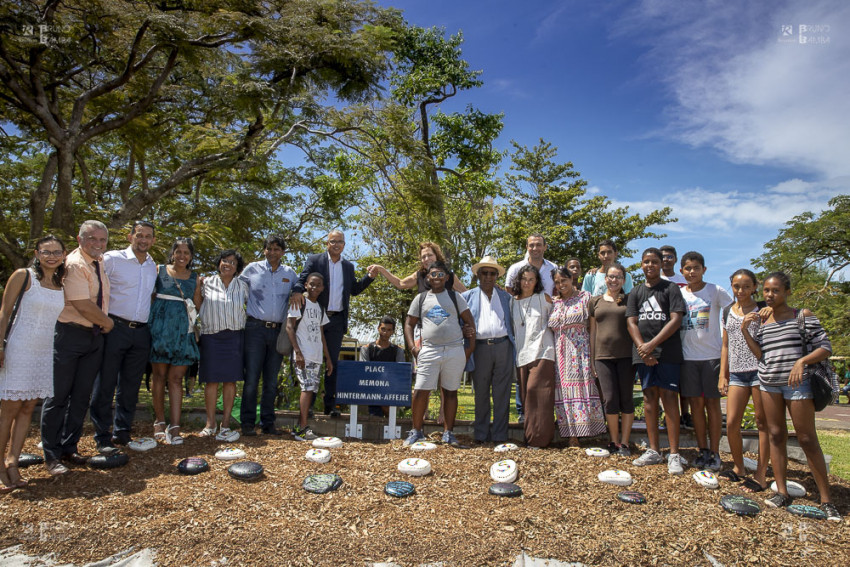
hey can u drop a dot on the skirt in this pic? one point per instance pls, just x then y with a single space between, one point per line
221 357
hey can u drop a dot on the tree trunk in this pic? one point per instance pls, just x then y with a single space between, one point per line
38 197
63 208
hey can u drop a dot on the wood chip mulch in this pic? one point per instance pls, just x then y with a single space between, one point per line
565 512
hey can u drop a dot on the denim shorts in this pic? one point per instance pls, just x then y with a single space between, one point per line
801 392
662 375
744 379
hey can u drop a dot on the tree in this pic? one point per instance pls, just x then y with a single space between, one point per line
549 198
815 251
171 94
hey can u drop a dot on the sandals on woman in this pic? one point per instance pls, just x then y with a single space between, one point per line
730 475
173 439
159 434
207 432
16 479
6 484
751 485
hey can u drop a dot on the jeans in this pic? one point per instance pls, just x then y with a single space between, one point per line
125 357
261 357
334 333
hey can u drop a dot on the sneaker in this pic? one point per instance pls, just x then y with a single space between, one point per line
703 458
413 436
624 451
649 457
713 463
613 448
830 511
520 418
778 500
55 468
298 433
308 434
121 438
227 435
686 421
249 432
450 439
674 464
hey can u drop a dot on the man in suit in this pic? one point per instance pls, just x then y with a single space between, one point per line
492 365
340 285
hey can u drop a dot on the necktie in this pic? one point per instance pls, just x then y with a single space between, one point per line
96 328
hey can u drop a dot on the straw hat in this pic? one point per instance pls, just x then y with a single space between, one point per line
488 262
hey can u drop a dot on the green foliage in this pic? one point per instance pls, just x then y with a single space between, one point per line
551 199
815 250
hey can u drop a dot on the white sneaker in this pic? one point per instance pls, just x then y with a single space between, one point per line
674 464
227 435
649 457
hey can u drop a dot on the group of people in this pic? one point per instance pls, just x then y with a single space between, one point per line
82 327
574 350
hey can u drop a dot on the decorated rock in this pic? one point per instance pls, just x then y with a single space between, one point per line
230 454
245 470
414 467
504 471
740 505
322 483
399 489
507 489
109 461
192 466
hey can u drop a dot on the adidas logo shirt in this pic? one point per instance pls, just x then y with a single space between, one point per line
652 307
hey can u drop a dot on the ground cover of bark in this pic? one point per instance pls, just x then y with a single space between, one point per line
565 512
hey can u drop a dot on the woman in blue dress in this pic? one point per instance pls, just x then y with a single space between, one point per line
173 344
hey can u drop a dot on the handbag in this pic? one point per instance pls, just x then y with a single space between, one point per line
16 307
191 313
822 377
284 346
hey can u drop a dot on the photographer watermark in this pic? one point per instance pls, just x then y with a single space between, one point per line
805 34
46 531
48 34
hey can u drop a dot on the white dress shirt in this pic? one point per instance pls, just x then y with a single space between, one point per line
131 284
491 318
335 285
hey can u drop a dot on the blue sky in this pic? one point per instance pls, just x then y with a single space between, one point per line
713 108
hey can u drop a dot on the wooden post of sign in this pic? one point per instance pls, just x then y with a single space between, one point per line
353 429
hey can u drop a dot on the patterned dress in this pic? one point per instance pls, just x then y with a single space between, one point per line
172 341
577 403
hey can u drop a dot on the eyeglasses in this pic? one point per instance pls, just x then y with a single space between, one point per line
437 274
49 253
335 242
229 262
615 277
487 273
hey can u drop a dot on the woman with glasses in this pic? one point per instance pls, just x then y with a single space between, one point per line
611 358
26 367
223 318
173 345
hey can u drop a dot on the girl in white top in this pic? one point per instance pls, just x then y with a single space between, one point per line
26 362
535 345
739 380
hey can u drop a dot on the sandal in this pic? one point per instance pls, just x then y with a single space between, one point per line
159 435
750 485
730 475
16 478
6 484
174 439
207 432
778 500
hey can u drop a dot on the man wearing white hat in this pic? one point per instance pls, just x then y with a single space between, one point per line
492 365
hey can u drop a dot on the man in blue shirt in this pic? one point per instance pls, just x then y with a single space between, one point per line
269 282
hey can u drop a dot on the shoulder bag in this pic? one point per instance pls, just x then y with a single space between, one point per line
822 377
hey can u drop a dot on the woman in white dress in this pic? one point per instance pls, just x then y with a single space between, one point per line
26 364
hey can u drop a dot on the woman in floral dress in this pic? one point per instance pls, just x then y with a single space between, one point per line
577 403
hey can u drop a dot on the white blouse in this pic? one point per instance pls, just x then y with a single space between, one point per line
534 340
223 307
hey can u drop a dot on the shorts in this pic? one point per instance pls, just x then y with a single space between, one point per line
440 366
744 379
309 377
662 375
699 379
801 392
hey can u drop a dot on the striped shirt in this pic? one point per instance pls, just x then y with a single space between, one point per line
781 347
223 307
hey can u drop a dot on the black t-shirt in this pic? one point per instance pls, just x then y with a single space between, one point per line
652 306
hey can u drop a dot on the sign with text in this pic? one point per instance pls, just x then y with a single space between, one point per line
373 383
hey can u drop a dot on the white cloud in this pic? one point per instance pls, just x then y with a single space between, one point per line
704 211
734 86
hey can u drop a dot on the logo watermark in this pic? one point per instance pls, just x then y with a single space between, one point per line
48 34
805 34
47 531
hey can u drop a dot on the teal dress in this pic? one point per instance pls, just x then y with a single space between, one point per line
172 341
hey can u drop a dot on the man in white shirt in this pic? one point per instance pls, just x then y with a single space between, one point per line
132 276
340 285
492 366
535 247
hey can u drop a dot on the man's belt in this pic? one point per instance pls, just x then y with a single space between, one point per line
127 322
266 324
495 341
